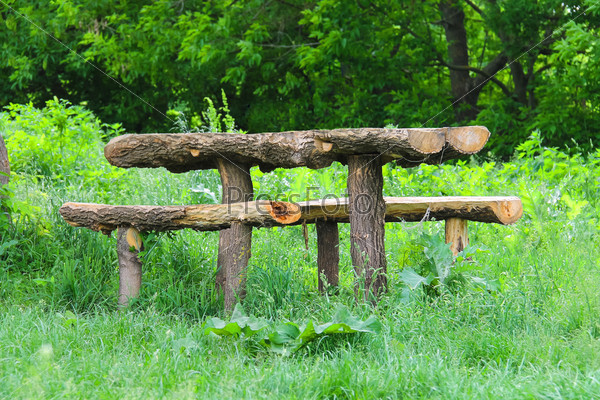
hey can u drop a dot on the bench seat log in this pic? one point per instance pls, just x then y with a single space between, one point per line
503 210
314 149
263 213
203 217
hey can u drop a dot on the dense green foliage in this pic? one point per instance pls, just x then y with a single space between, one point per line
519 320
317 64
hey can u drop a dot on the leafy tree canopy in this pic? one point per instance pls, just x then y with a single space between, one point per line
512 65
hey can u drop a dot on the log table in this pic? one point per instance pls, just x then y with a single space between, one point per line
364 150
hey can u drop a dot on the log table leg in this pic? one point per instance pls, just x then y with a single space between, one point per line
367 222
129 244
457 234
235 243
328 253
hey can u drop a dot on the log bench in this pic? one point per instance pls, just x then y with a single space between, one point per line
364 150
129 221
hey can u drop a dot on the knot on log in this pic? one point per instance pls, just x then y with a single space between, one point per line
284 212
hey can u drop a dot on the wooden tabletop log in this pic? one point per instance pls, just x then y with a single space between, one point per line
212 217
314 149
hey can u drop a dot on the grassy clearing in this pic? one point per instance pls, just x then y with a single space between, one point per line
535 337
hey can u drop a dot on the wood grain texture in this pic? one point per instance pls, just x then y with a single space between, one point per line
314 149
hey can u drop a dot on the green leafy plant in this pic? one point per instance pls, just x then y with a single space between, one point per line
289 337
440 269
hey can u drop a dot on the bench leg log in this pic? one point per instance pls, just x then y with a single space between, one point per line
367 222
235 243
457 234
328 253
129 244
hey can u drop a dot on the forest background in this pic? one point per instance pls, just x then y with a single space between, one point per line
511 65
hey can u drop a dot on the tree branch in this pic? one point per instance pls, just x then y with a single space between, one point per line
482 73
474 7
491 69
542 69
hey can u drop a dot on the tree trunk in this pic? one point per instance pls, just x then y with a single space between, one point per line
129 244
520 81
367 219
465 95
235 243
328 253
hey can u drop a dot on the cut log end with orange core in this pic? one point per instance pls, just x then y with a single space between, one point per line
284 212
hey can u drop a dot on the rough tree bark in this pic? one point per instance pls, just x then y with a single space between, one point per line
313 149
367 219
328 253
129 244
235 243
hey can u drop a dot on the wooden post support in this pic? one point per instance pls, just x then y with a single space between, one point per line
235 243
129 244
457 234
328 257
367 221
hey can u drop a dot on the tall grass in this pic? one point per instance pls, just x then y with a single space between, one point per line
537 336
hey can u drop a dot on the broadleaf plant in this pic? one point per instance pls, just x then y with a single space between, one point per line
441 269
289 337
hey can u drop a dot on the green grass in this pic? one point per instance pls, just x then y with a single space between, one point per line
537 336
